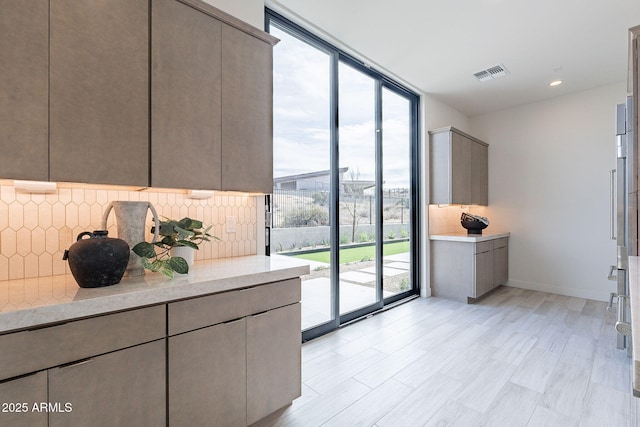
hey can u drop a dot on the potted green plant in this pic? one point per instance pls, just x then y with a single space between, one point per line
158 256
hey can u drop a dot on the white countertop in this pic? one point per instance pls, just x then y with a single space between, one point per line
634 298
462 236
29 303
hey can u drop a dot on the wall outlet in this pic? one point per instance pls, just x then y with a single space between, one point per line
232 221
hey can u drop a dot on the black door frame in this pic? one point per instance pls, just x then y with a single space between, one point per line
382 82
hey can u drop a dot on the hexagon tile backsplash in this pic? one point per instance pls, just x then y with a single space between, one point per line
35 229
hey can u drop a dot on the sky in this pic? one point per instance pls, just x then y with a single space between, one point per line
301 117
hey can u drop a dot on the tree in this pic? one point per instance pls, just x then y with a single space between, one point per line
352 189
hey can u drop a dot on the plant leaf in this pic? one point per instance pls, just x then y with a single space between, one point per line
144 249
146 264
188 243
178 264
195 225
168 241
182 233
167 272
158 265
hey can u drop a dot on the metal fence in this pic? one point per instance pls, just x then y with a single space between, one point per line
305 208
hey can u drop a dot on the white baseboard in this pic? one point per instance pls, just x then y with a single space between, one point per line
599 295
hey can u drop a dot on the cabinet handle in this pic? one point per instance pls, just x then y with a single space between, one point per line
612 295
612 204
78 363
622 326
260 314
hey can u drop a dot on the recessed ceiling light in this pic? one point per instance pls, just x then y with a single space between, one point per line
555 83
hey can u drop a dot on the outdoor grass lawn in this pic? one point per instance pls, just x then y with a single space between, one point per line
358 254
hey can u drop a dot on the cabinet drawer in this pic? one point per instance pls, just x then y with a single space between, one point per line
484 246
503 242
29 351
274 295
201 312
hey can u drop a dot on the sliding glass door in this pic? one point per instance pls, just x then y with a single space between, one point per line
345 171
397 201
357 189
302 168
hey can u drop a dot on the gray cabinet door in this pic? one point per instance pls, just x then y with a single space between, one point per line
185 97
501 265
99 91
483 273
460 169
247 104
24 90
207 376
273 361
452 270
479 174
18 398
123 388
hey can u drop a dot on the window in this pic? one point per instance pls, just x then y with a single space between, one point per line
345 174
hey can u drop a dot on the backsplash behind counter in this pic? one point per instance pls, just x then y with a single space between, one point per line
35 229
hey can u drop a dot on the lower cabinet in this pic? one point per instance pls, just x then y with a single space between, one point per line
123 388
207 371
227 359
234 357
17 398
464 271
483 272
273 361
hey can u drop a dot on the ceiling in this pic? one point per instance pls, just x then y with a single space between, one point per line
436 46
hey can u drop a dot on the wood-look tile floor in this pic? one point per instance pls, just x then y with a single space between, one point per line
517 358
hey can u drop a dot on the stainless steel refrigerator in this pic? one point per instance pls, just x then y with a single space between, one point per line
624 224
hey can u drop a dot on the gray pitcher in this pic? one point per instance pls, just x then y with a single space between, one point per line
130 217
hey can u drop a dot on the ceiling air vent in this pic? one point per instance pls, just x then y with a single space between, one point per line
491 73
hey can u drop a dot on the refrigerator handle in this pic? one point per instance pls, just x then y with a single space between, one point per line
612 203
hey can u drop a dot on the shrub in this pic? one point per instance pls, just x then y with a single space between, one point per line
321 198
306 216
365 237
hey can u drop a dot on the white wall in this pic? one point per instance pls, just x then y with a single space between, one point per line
549 166
250 11
437 114
434 115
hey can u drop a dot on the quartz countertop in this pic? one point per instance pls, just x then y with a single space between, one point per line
30 303
462 236
634 298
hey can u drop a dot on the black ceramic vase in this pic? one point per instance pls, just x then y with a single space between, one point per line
97 261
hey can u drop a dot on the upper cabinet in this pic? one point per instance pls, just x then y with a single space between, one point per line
99 91
211 100
247 118
185 97
459 165
168 93
24 90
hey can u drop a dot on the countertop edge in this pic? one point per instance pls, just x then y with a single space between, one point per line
152 290
463 237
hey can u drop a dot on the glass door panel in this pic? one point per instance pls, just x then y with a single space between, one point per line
301 168
396 193
357 189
